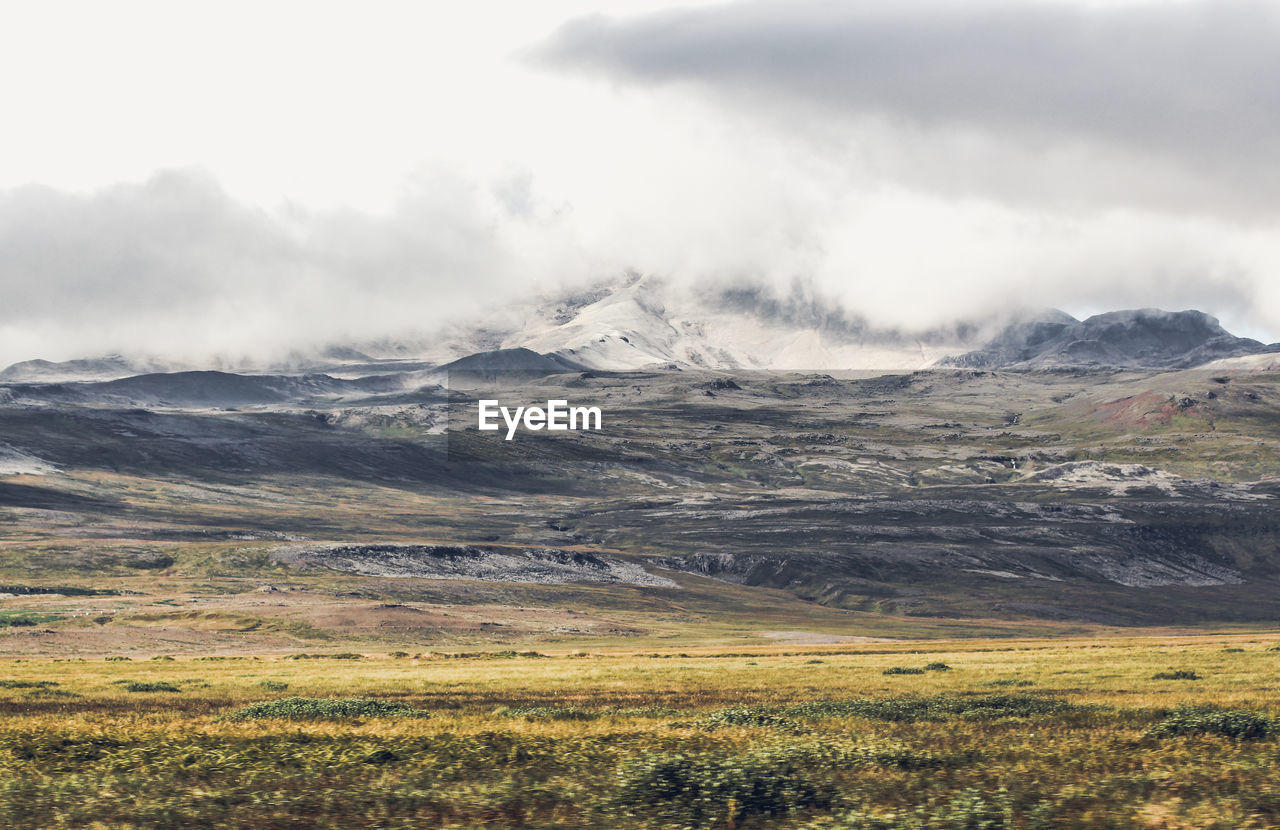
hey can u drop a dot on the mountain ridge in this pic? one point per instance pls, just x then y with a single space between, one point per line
648 324
1146 338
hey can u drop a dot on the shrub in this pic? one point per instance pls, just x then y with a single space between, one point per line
1177 674
546 713
64 590
1002 706
218 658
748 716
398 655
715 790
643 712
26 684
969 809
139 686
382 756
118 659
313 708
1009 681
16 622
941 707
574 713
903 670
273 685
1240 724
163 658
937 667
344 655
902 756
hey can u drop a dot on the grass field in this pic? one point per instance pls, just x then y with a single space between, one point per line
873 610
952 734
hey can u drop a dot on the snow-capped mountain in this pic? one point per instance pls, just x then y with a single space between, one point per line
648 323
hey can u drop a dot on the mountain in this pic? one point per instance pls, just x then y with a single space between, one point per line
101 368
649 323
646 323
635 323
209 389
1145 338
509 362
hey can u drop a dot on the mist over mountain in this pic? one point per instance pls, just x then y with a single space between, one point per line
637 322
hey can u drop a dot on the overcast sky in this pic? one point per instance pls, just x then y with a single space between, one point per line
233 178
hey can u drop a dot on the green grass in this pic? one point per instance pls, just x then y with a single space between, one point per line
143 686
310 708
1230 723
1175 674
26 619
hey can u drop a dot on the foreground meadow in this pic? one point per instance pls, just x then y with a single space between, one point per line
1117 733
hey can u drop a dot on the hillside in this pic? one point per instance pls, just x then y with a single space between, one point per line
941 501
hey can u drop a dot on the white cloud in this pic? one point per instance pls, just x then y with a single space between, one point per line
176 267
371 174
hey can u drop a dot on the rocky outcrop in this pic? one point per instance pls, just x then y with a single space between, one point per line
546 566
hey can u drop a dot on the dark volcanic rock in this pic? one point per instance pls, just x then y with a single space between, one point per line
510 362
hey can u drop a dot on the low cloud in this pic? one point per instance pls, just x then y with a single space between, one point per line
943 159
176 267
1169 106
917 162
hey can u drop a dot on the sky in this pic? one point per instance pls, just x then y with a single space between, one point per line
236 179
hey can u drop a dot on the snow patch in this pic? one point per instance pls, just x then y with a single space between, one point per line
648 325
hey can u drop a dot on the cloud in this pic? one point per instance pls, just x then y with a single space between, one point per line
937 159
1171 106
918 162
175 267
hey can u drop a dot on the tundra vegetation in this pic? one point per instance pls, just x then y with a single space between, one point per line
1017 733
957 598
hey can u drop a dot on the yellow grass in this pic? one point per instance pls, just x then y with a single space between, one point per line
492 751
